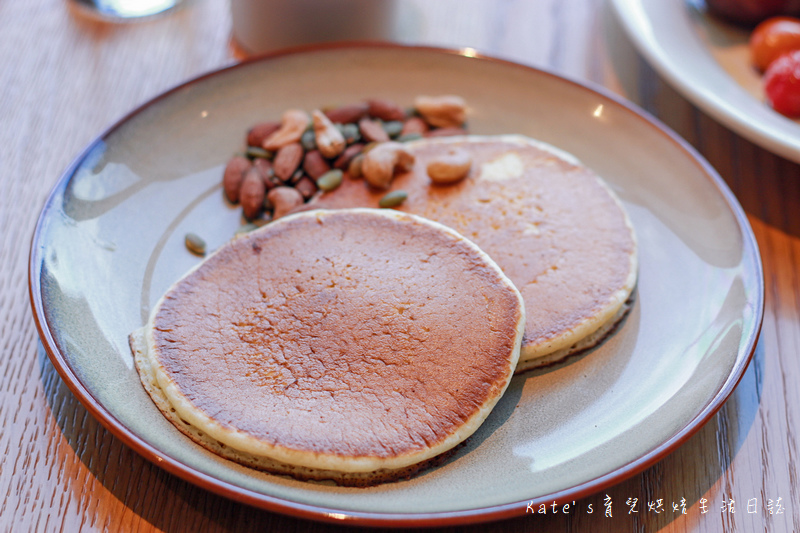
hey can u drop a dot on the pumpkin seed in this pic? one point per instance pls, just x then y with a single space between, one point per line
246 228
330 180
393 199
409 137
309 140
254 152
195 244
351 133
393 128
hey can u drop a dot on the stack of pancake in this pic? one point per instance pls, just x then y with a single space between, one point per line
552 225
361 345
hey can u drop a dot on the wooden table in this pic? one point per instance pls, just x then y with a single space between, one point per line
64 78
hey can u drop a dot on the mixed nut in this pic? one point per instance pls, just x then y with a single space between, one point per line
286 162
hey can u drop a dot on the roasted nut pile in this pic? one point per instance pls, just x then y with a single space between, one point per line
287 162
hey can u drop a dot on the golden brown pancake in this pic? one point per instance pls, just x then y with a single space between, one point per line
352 345
553 226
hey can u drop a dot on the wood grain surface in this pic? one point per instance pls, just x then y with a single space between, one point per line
64 78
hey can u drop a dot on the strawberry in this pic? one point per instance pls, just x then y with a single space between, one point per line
782 84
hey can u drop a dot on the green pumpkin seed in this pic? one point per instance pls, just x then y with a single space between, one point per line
195 244
246 228
393 199
330 180
351 133
309 140
254 152
409 137
393 128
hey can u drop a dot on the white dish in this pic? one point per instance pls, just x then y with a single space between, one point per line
708 62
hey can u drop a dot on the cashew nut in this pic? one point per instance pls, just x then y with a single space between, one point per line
380 163
283 200
330 141
442 111
293 123
450 167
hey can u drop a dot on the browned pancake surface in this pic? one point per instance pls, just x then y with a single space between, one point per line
343 335
554 228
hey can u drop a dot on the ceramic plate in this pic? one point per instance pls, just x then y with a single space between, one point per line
709 63
110 241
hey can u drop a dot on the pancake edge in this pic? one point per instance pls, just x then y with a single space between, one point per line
249 450
591 331
138 346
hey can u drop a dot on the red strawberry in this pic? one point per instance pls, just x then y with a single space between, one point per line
782 84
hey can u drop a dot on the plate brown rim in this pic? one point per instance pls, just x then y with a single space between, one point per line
339 516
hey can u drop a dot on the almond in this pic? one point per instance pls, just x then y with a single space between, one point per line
414 125
252 193
259 132
314 164
348 114
283 200
287 160
234 176
372 131
343 161
306 187
385 110
265 166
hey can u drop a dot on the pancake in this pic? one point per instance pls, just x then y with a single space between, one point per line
353 345
552 225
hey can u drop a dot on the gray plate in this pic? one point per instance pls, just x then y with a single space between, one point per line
109 242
